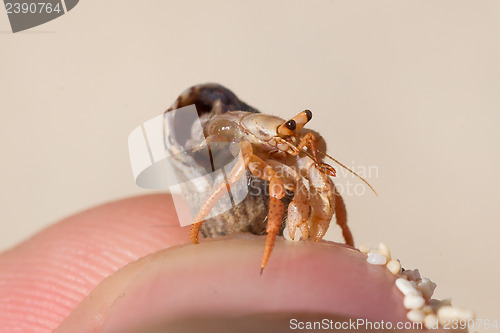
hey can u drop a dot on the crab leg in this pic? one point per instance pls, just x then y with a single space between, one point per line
298 210
322 190
261 169
236 173
321 200
276 191
310 140
325 201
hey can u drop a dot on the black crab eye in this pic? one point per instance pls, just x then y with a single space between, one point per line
309 114
291 125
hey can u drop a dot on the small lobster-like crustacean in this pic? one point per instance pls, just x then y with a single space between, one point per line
281 152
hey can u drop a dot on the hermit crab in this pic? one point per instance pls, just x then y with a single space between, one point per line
279 156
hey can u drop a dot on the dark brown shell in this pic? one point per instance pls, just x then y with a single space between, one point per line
251 214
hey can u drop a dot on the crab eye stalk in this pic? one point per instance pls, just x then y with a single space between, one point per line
287 128
303 118
296 123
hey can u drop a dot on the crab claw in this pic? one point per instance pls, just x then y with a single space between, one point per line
328 169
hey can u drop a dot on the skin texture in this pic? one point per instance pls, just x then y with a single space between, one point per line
83 275
43 279
201 283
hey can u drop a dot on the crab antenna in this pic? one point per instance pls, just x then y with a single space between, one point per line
354 173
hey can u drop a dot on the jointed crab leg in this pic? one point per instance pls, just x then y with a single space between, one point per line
236 173
261 169
321 194
309 140
276 191
298 210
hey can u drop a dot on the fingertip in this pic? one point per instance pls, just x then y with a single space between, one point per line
218 277
48 275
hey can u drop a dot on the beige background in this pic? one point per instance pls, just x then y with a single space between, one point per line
409 87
